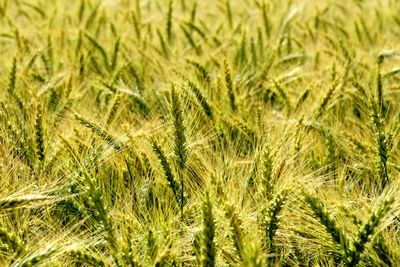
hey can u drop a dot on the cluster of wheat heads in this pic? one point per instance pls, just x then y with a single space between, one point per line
199 133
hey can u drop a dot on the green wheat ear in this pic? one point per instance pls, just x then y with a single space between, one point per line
382 145
229 86
208 250
379 81
113 109
25 201
83 257
201 70
267 174
284 96
325 100
271 220
201 99
116 52
12 241
36 258
136 21
102 133
167 170
237 230
12 77
179 142
164 48
328 222
39 133
366 231
191 40
99 48
168 27
380 136
228 10
179 131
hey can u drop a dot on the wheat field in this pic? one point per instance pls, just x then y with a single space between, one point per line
199 133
